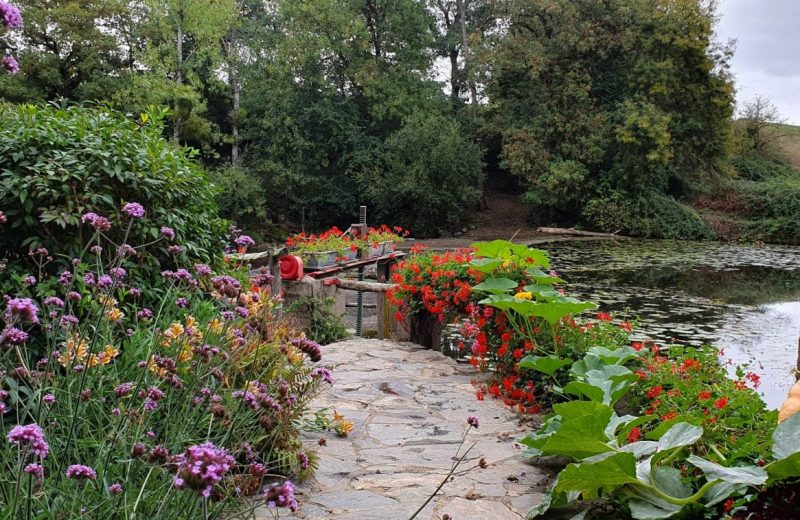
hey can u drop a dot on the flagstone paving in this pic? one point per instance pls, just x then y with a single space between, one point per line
410 406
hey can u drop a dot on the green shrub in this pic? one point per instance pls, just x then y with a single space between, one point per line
651 216
322 325
241 198
59 163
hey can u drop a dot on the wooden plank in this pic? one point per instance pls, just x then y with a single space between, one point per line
382 304
357 285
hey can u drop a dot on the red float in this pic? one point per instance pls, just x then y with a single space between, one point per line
291 267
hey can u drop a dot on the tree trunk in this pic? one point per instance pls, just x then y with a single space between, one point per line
462 16
235 119
176 130
455 80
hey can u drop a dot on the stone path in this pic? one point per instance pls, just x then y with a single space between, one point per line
410 406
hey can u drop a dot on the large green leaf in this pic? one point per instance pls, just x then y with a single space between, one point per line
788 467
668 480
752 475
642 510
616 470
493 249
546 364
720 491
496 286
786 438
575 409
540 277
551 312
681 434
591 392
616 356
578 438
486 265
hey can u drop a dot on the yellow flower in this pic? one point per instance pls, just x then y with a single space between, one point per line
185 354
252 387
114 314
174 330
107 301
524 295
151 365
190 321
506 263
74 348
215 325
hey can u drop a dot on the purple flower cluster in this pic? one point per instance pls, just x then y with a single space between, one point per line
182 303
133 210
11 336
244 241
10 15
34 469
181 275
281 496
10 64
115 489
81 472
123 389
117 273
168 232
3 218
203 270
226 285
145 314
30 435
201 467
54 301
311 348
473 421
23 309
324 374
96 221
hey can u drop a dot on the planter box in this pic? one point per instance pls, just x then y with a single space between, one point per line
425 329
319 260
347 255
383 248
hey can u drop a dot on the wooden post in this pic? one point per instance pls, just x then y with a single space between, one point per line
275 289
382 305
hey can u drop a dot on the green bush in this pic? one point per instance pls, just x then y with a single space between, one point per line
58 163
650 216
241 198
427 175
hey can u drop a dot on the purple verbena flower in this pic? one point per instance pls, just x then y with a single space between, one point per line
123 389
68 320
89 279
311 348
10 64
105 281
201 467
126 250
10 15
133 210
49 399
473 421
13 336
144 314
54 301
30 280
81 472
65 277
29 436
203 270
168 232
34 469
22 308
174 249
115 488
96 221
117 273
74 296
182 303
281 496
244 241
324 374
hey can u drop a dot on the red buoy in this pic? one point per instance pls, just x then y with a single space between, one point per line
291 267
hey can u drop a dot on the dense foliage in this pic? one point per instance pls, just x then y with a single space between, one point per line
58 163
611 115
112 408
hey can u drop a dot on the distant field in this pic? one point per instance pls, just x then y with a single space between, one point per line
790 143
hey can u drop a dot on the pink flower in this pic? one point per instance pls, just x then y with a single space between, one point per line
29 435
96 221
10 15
81 472
473 421
281 496
168 232
133 210
22 308
115 489
10 64
201 467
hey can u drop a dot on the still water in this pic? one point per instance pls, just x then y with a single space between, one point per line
740 298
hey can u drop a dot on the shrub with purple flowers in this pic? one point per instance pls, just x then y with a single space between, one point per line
169 400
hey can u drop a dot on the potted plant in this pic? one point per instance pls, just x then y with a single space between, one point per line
382 240
324 249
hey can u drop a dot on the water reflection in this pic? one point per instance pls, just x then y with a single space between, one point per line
744 299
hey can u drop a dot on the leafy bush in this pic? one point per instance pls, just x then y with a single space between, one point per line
108 405
241 198
650 216
427 175
59 163
323 325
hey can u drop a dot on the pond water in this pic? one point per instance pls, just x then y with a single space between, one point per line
740 298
